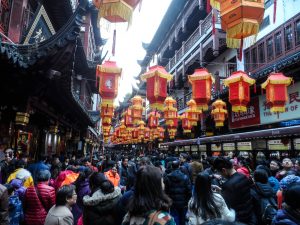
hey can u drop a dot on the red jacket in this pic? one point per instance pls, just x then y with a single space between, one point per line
35 211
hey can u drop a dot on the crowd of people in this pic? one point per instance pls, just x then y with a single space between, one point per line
153 189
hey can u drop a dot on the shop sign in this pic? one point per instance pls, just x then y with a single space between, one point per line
297 144
194 148
245 119
278 145
228 146
215 148
202 147
292 107
244 146
187 148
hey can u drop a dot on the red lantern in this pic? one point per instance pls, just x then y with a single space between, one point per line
135 135
109 75
172 132
192 112
201 82
128 118
161 133
157 79
147 134
141 129
219 112
137 109
239 90
170 112
153 119
276 91
186 124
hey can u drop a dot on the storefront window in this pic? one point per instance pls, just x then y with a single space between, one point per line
270 52
288 37
278 46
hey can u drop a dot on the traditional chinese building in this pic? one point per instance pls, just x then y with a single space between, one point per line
49 52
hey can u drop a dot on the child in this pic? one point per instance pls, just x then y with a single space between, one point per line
15 207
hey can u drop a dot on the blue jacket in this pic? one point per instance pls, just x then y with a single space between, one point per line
36 167
16 215
286 217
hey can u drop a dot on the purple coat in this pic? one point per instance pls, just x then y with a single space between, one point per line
284 217
18 187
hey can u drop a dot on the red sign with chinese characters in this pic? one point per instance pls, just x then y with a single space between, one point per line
245 119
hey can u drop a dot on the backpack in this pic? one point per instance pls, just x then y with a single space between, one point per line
268 210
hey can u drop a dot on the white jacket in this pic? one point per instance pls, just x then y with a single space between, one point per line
226 214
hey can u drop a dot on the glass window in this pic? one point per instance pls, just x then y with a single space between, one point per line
297 32
288 36
254 58
270 52
261 53
278 46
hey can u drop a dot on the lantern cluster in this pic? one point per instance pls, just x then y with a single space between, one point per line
171 116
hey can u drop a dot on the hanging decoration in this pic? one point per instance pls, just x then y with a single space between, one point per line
219 112
240 19
192 112
170 111
215 4
135 135
157 79
239 90
137 109
146 134
276 91
186 124
201 81
128 119
107 112
161 133
153 119
141 130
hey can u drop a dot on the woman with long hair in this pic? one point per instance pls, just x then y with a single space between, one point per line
149 204
205 204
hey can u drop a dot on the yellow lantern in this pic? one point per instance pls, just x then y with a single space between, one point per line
137 109
170 112
219 112
192 112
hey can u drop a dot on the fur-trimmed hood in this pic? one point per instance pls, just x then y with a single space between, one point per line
99 197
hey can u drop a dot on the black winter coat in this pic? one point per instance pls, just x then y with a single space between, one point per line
236 192
178 187
100 209
259 191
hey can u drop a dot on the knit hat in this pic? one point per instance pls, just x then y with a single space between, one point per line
288 181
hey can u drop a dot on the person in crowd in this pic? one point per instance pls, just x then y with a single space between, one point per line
38 199
274 167
18 186
87 162
205 204
284 184
178 188
127 174
243 167
22 174
290 213
287 168
149 205
274 183
66 163
4 202
184 164
221 222
7 166
60 213
263 196
56 167
112 175
236 191
297 166
196 167
16 215
38 166
100 206
107 162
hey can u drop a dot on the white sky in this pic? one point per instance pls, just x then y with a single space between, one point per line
129 41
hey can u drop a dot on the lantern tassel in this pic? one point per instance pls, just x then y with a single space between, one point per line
275 9
241 49
113 51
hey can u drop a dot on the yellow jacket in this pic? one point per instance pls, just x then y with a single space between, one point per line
22 174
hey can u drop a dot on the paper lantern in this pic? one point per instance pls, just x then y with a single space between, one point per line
186 124
201 82
141 129
128 118
146 134
106 130
215 4
240 19
157 79
109 75
172 132
161 133
239 90
192 112
107 111
137 109
276 91
135 135
153 119
170 112
219 112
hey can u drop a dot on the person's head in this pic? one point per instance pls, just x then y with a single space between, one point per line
145 161
67 161
87 161
114 170
9 155
99 181
183 157
297 164
289 180
66 196
10 189
149 194
287 163
292 196
20 164
261 176
125 161
203 200
223 166
24 157
43 175
265 168
274 165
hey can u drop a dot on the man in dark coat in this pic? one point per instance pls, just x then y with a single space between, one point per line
236 191
4 219
178 187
